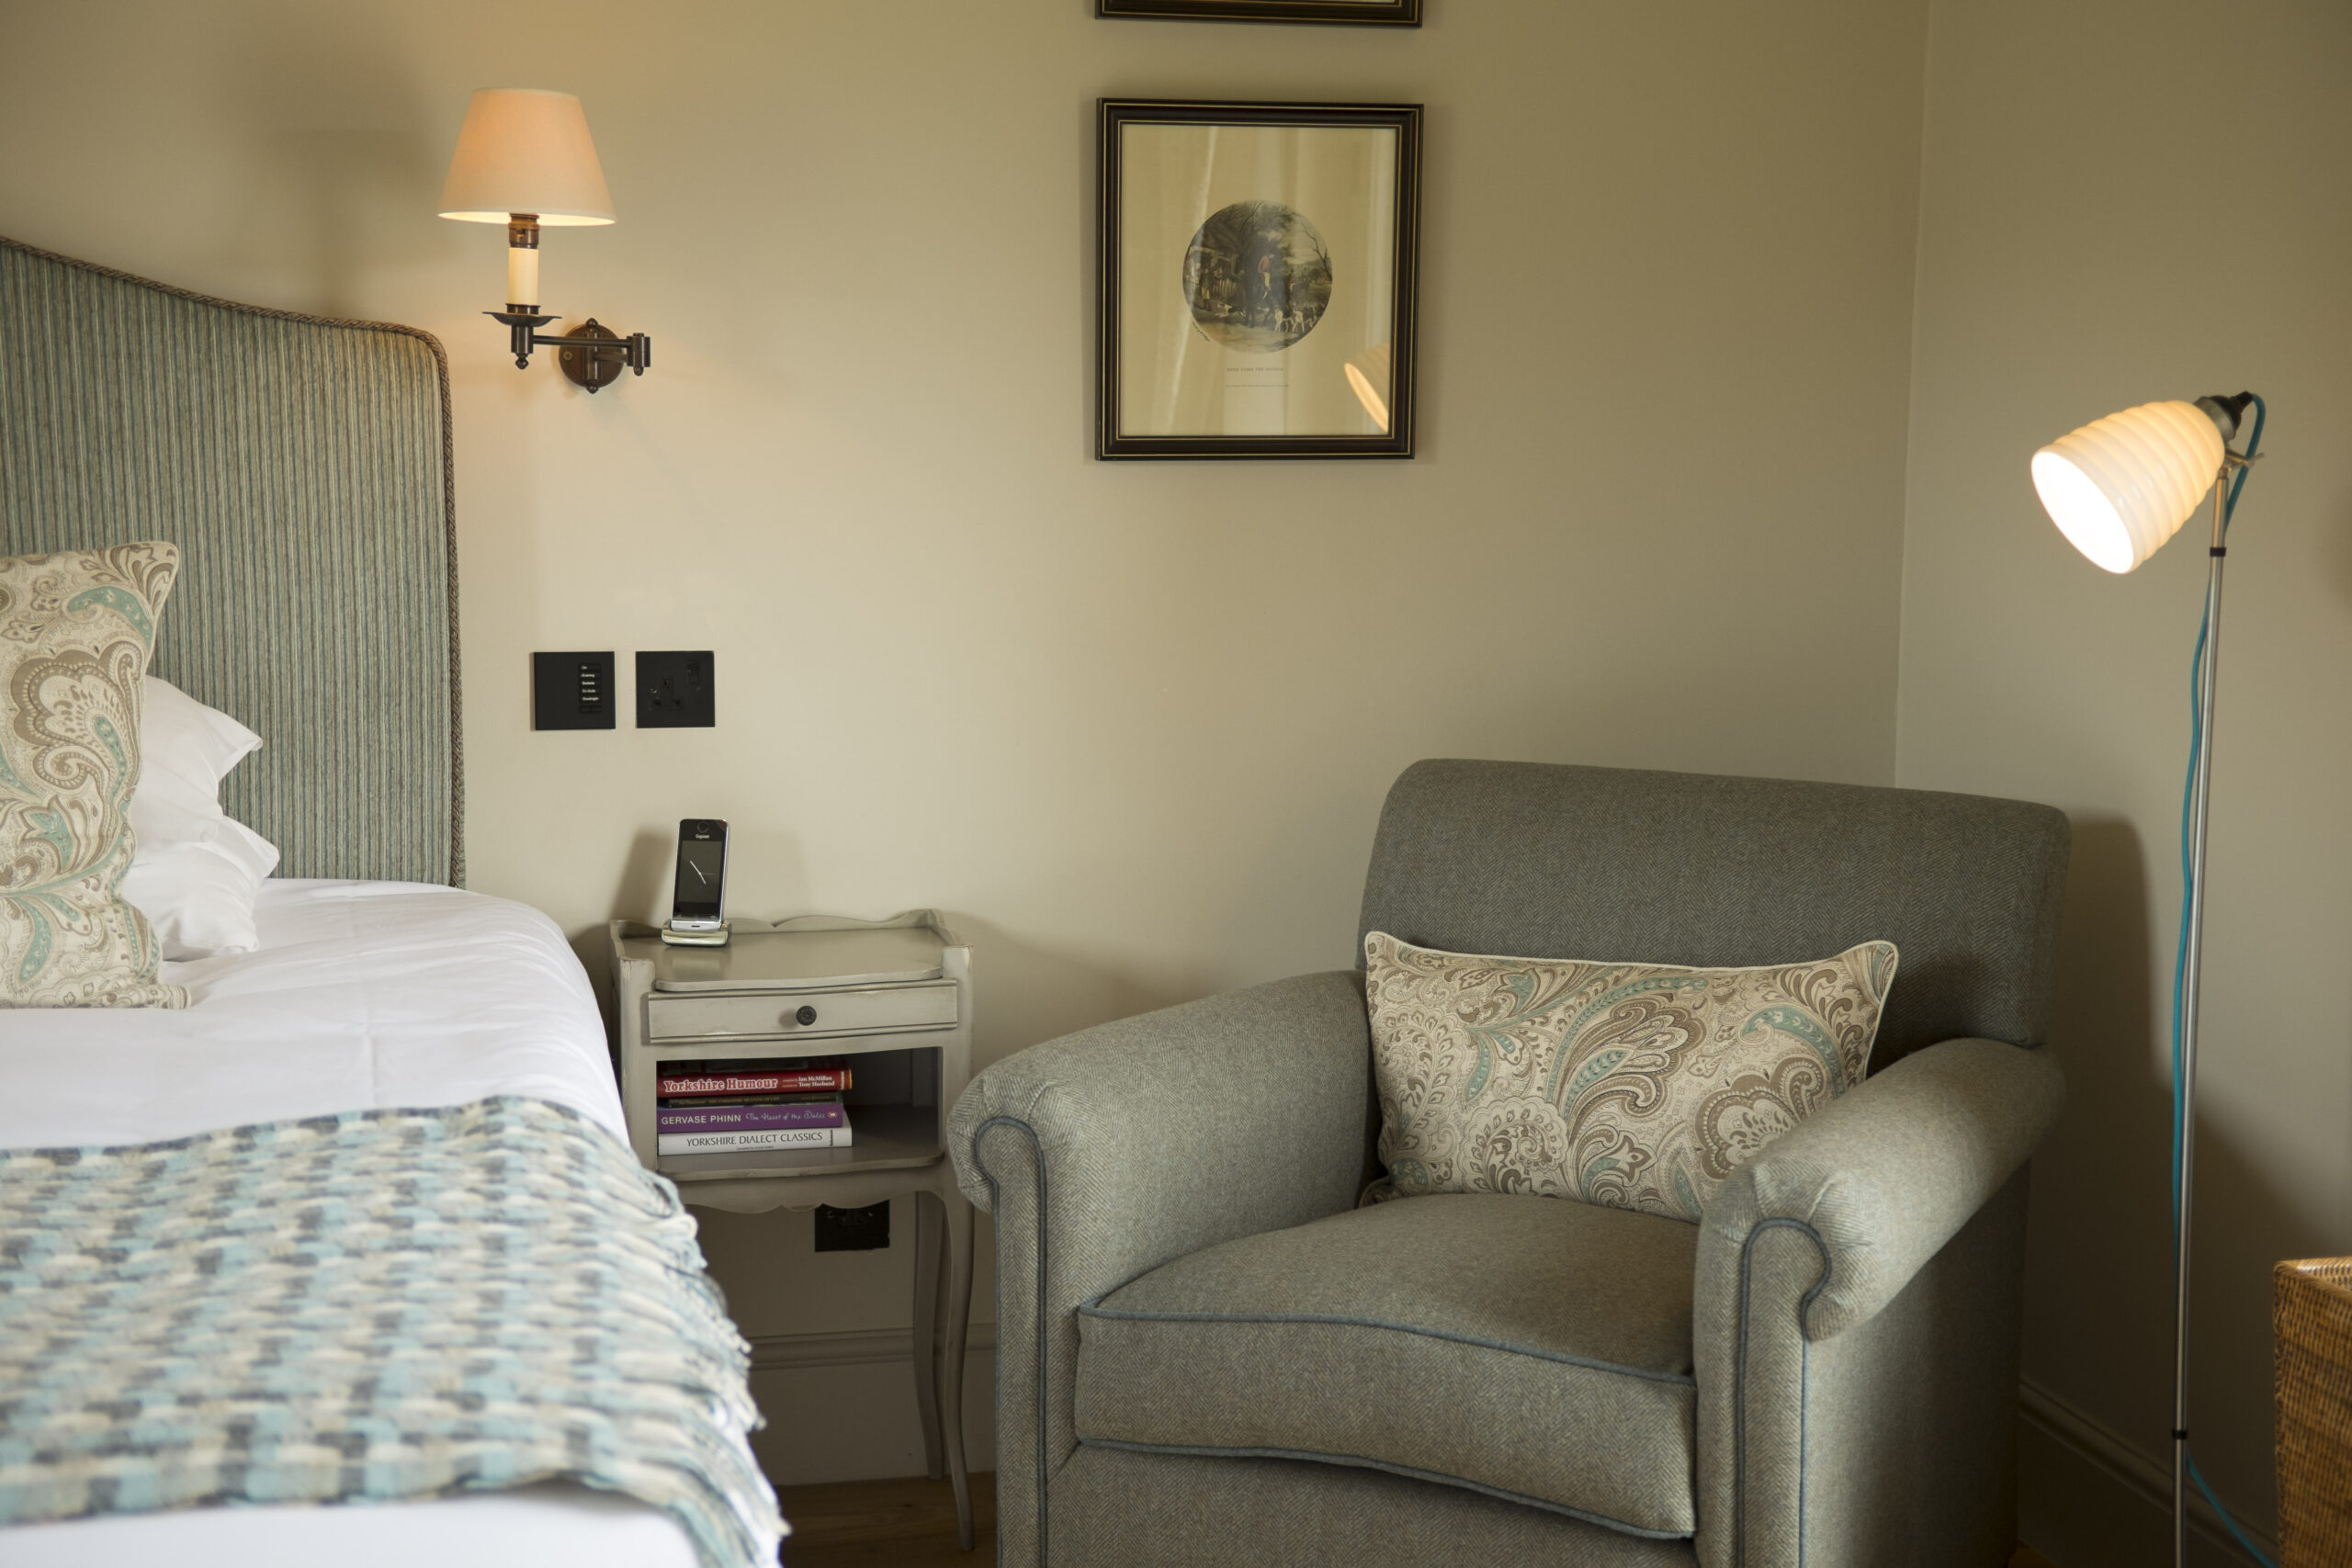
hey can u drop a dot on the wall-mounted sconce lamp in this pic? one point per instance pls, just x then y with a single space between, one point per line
524 159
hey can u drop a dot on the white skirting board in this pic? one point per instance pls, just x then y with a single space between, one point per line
842 1406
2087 1498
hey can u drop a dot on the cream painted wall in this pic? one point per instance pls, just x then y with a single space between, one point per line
1129 724
2127 200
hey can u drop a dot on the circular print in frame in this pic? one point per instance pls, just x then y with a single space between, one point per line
1257 276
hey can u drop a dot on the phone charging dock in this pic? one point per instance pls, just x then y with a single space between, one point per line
677 937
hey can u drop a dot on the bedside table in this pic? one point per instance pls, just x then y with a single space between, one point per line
894 995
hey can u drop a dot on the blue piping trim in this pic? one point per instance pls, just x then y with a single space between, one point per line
1361 1462
1038 1147
1739 1384
1122 1314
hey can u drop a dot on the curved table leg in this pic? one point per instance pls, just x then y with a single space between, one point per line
929 1239
959 1316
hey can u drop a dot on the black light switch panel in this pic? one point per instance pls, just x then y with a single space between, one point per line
674 692
854 1230
572 691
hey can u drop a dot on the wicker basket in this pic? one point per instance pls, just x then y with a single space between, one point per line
2312 1312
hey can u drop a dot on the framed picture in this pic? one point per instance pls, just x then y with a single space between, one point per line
1257 279
1362 12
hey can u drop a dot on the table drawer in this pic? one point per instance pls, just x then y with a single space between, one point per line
781 1014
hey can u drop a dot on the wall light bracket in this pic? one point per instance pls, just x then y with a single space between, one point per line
593 355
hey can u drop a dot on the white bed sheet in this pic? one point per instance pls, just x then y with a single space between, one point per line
362 994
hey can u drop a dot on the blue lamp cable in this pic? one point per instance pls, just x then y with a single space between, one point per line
2236 483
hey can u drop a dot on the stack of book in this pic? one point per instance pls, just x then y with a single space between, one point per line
702 1108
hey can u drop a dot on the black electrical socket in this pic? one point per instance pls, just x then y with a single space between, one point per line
674 690
854 1230
572 691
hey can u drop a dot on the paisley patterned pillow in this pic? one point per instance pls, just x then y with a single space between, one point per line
75 631
1637 1086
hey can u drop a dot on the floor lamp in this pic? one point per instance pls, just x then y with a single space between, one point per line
2118 488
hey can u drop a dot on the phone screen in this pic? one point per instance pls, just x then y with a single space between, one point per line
702 864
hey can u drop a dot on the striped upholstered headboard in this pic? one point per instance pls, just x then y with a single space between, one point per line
302 464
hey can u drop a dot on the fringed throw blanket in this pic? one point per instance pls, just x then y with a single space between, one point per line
374 1305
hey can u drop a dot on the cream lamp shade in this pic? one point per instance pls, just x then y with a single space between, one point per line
2121 486
525 151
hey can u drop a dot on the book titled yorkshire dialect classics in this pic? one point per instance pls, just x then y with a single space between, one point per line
752 1140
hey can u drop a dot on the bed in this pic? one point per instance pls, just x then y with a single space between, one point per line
303 466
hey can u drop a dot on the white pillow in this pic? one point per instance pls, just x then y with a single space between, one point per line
198 870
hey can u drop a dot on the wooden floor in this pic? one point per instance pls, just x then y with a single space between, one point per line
911 1524
908 1524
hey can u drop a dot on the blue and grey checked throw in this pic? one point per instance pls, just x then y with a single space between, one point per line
374 1305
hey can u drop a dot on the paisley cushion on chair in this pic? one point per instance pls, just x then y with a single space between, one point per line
1635 1085
75 631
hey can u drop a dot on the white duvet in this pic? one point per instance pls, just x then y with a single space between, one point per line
362 994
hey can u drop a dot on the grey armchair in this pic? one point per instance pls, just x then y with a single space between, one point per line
1207 1354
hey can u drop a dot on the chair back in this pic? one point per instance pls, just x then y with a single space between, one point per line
1543 860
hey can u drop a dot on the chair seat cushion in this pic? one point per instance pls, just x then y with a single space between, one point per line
1529 1348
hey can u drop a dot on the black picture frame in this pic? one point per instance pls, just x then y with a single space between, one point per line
1113 116
1339 13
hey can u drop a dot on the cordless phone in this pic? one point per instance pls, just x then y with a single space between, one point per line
700 899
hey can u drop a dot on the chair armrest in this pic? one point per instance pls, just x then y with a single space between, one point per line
1185 1127
1109 1152
1886 1174
1855 1318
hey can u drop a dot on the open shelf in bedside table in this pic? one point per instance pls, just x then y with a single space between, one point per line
888 1135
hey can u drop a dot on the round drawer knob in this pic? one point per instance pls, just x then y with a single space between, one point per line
807 1016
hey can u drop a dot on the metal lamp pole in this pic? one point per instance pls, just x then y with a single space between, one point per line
2192 969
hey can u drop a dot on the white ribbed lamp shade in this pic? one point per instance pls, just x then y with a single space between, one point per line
2121 486
525 149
